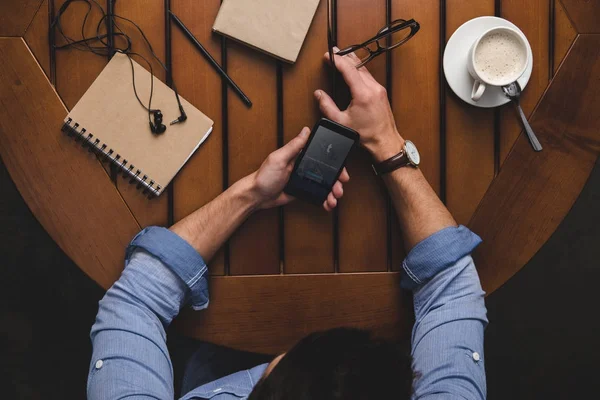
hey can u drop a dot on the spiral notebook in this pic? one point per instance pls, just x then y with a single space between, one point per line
109 120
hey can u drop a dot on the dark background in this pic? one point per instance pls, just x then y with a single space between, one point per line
541 342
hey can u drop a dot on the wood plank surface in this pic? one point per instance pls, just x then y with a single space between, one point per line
415 80
150 18
469 130
415 95
292 306
37 37
254 248
532 17
585 14
76 70
534 191
308 229
16 15
201 179
66 188
363 211
564 34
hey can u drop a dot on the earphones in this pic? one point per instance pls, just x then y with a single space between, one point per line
90 44
157 127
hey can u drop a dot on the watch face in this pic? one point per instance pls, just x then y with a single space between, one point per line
412 153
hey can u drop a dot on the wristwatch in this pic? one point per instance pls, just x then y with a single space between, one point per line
408 156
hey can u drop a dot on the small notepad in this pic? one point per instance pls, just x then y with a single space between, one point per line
110 121
276 27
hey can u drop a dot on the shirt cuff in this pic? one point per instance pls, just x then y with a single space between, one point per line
179 256
436 253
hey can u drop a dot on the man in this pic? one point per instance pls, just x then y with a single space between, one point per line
165 269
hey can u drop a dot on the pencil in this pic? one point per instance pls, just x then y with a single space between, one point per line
210 59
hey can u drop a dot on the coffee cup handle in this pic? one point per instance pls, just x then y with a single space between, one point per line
478 90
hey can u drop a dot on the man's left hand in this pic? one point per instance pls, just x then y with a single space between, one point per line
274 173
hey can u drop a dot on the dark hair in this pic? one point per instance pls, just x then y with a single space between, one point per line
341 363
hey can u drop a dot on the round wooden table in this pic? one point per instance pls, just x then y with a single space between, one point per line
290 271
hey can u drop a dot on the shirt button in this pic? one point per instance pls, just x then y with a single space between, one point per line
476 357
99 364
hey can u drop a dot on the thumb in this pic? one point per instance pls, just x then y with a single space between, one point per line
327 106
294 146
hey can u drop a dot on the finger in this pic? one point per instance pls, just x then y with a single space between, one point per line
363 71
350 74
284 199
354 58
289 152
331 201
328 107
337 190
344 176
326 206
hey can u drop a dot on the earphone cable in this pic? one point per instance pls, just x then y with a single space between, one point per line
84 44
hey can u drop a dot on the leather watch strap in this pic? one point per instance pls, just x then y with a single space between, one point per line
391 164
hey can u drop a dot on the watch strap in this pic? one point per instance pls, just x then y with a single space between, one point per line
391 164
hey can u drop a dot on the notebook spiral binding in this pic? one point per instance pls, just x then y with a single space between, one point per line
94 145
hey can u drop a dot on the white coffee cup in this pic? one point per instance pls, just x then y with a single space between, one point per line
497 58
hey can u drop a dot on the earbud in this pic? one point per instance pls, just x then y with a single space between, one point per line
157 127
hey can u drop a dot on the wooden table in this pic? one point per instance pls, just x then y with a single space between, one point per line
289 271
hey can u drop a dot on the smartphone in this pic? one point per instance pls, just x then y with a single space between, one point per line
321 161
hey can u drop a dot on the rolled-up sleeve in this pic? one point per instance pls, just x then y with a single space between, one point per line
436 253
179 256
130 357
450 313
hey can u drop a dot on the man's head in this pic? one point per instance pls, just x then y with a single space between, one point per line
339 364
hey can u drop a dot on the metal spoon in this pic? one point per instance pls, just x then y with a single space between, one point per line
513 92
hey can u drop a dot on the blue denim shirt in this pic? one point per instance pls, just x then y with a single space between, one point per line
163 273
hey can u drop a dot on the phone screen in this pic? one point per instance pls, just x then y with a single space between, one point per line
320 163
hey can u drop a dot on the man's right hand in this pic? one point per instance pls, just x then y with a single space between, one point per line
369 112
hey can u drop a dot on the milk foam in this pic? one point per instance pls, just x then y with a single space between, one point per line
499 57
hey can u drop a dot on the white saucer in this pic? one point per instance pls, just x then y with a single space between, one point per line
455 62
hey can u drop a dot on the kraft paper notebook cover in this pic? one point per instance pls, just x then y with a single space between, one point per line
277 27
110 121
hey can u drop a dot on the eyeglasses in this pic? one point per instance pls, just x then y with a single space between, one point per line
388 38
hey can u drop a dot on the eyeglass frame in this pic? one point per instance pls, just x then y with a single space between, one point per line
384 32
